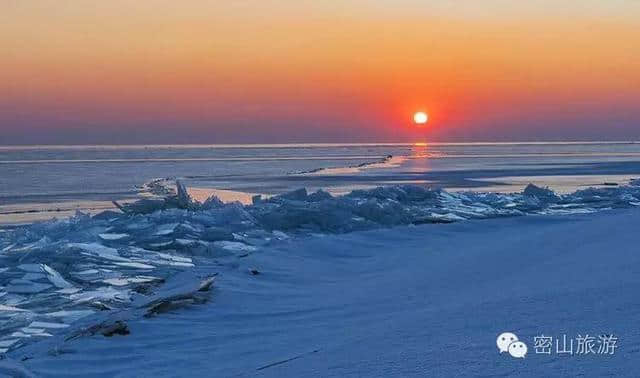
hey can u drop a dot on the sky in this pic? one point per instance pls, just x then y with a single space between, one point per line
278 71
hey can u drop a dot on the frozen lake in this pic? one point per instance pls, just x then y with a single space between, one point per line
40 182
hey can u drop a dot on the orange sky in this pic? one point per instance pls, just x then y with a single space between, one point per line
284 71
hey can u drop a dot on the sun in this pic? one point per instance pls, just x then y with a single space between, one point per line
420 118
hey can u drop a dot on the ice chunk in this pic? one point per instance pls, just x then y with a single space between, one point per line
117 281
234 246
183 198
20 334
103 293
33 276
113 236
160 245
70 315
166 229
545 194
48 325
27 287
8 343
98 250
32 268
167 256
143 206
186 242
135 265
280 235
131 280
88 271
11 308
55 278
31 330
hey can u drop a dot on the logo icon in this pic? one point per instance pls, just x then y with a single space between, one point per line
518 349
509 342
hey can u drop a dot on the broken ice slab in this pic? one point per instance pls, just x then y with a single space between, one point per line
86 272
174 260
234 246
55 278
103 294
34 276
35 331
69 316
48 325
98 250
27 287
11 308
32 268
20 334
166 229
110 237
7 343
135 265
181 291
160 245
131 280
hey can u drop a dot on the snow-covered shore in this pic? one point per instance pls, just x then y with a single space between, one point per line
425 300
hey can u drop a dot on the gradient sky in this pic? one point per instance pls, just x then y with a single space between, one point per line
275 71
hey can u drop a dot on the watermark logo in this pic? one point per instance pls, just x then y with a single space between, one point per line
582 344
509 342
518 349
579 345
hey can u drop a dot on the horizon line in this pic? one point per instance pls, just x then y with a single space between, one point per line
302 145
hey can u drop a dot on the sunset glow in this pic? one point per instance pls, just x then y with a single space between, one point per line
334 71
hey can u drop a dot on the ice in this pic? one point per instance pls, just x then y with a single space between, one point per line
48 325
61 270
26 287
128 281
11 308
135 265
72 269
103 294
55 278
234 246
98 250
113 236
19 334
32 268
88 271
69 316
8 343
33 276
32 331
167 256
166 229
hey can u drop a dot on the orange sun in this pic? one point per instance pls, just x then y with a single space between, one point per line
420 118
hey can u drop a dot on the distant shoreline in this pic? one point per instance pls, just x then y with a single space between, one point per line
306 145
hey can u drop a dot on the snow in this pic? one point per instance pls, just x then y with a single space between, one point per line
67 269
424 300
